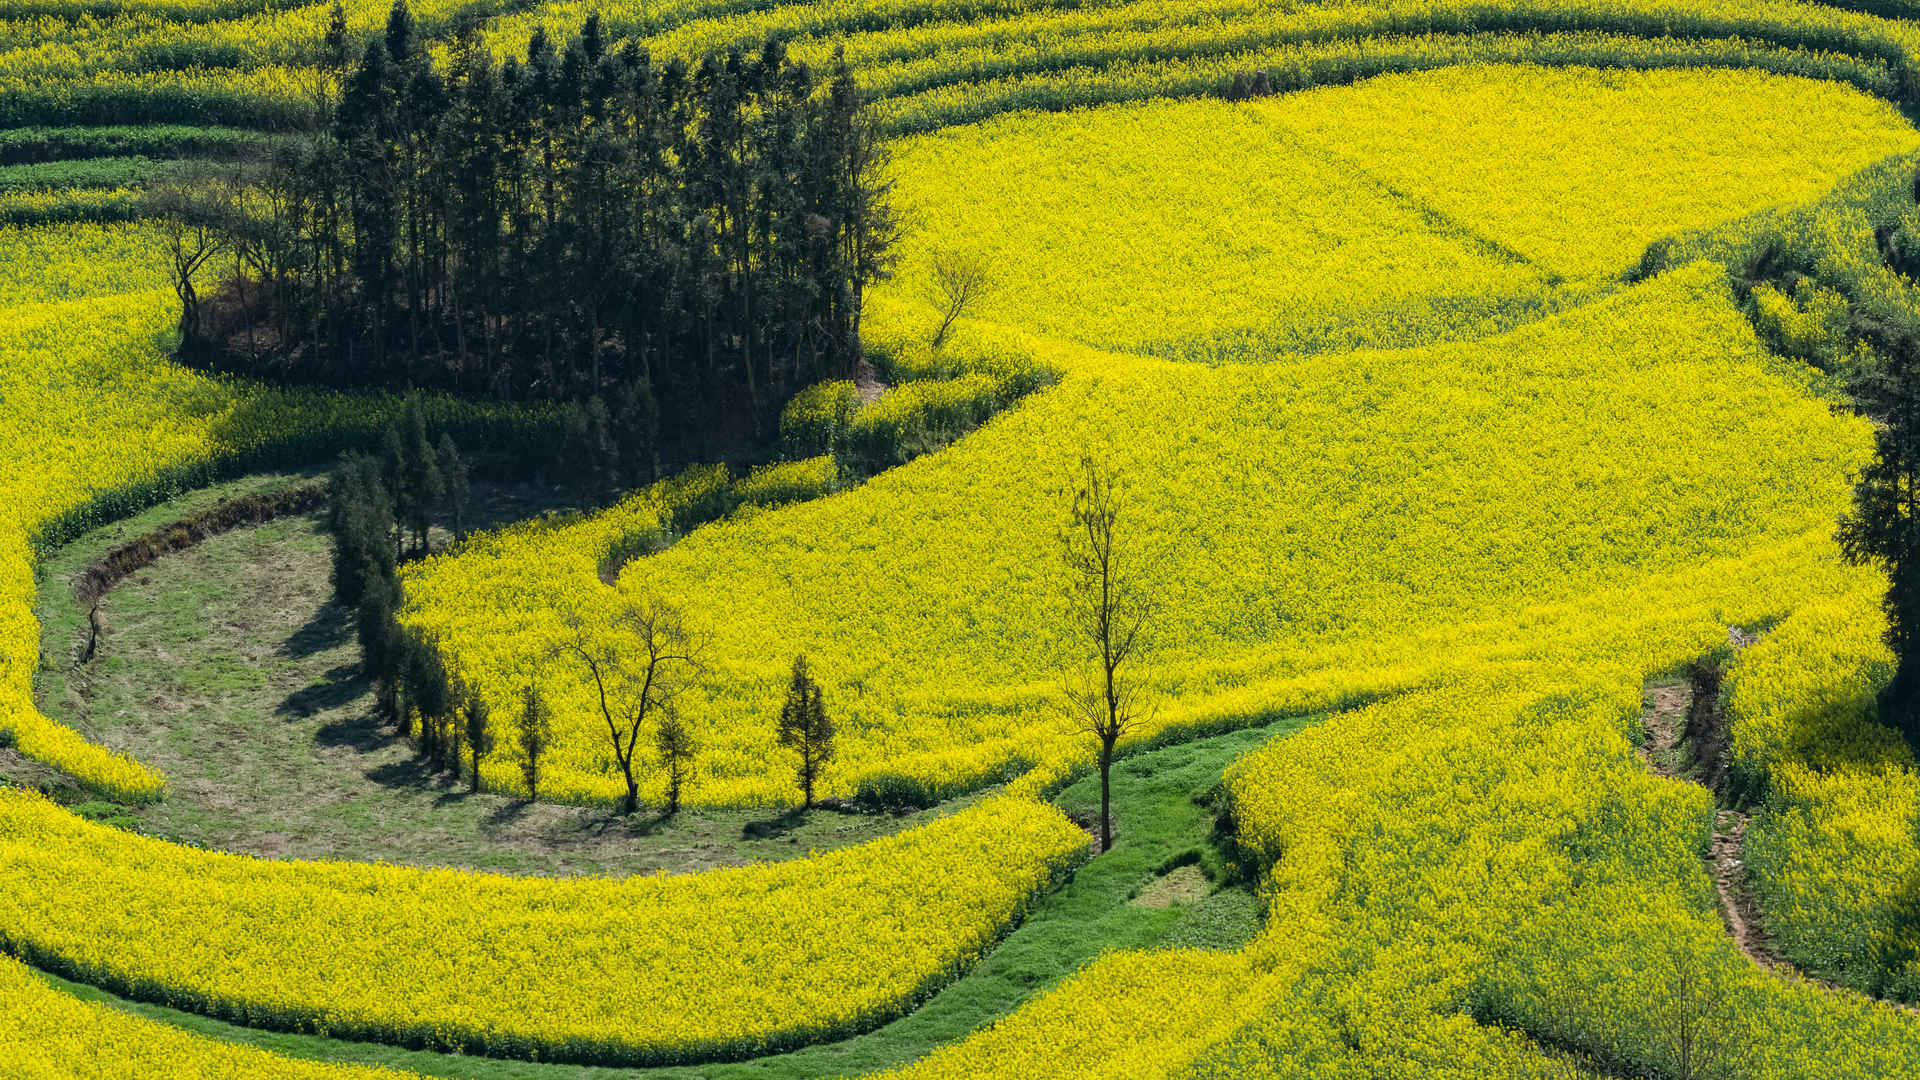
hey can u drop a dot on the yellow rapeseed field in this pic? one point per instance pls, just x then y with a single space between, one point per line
1400 435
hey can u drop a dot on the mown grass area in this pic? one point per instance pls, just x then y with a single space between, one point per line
229 668
1165 823
94 172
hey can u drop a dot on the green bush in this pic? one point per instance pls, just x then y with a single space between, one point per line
788 482
816 421
888 792
920 416
698 495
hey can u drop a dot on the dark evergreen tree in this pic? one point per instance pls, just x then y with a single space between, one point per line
636 426
336 46
806 728
428 695
535 730
394 470
1883 529
673 741
459 486
476 732
423 487
380 643
360 519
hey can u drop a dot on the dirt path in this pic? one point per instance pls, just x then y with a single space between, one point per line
867 381
1666 719
1669 716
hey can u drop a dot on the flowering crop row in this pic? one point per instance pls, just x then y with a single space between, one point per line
656 968
50 1035
953 61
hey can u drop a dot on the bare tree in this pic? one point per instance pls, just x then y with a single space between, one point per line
959 281
1109 609
639 665
190 211
1698 1023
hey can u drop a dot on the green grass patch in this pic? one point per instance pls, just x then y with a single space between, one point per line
1163 818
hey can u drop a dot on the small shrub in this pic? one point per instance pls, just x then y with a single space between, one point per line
893 793
815 422
697 495
788 482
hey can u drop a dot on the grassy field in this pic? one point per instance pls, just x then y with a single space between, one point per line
229 667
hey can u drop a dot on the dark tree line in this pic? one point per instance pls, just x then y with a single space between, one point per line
686 243
1884 529
380 510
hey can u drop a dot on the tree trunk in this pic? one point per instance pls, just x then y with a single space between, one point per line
1106 796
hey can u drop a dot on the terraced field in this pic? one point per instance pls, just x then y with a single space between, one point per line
1451 404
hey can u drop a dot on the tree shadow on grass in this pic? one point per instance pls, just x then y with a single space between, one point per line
774 827
587 827
412 772
330 628
337 692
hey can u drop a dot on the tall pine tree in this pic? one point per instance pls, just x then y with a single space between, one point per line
1883 529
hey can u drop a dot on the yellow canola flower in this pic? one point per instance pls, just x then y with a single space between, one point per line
1832 853
50 1035
647 969
1324 530
1408 208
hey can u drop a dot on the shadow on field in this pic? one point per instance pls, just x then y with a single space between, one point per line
330 627
343 686
775 826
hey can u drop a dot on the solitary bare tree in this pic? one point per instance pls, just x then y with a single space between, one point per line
1698 1023
190 212
1109 608
959 281
643 662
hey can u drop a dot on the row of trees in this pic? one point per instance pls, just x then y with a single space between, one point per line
639 673
686 242
381 510
644 657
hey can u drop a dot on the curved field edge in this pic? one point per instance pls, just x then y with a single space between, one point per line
1266 615
777 955
51 1035
1162 821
